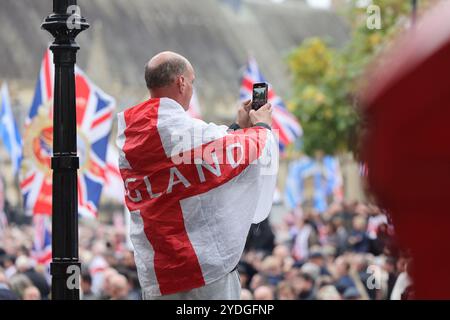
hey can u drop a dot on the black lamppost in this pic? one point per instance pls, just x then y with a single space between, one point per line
64 26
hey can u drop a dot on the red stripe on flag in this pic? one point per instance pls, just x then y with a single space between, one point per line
43 203
101 119
112 169
27 181
247 84
47 75
270 95
80 192
83 92
45 258
283 138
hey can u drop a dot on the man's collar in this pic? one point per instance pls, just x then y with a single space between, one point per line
171 102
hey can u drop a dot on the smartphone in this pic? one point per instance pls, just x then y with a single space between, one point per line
260 93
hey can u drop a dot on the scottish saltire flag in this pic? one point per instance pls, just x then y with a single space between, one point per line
193 190
323 178
9 132
194 108
335 183
41 251
293 191
289 129
94 120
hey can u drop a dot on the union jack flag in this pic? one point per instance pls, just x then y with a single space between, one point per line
94 120
289 129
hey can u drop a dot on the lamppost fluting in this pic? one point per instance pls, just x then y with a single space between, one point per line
64 24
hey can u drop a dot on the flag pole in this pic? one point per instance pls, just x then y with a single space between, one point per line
65 23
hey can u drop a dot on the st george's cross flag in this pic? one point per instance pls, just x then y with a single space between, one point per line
113 188
94 120
193 190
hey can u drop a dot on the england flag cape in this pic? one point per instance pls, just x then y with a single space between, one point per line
193 189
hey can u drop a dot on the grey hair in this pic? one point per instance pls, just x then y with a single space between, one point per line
165 73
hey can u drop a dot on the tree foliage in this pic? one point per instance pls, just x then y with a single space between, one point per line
326 79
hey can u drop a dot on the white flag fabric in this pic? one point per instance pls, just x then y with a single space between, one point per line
193 190
113 187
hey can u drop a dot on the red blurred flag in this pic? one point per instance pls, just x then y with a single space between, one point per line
407 147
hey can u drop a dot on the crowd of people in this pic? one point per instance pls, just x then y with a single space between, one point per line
347 252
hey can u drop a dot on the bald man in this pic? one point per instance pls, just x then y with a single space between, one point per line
193 188
170 75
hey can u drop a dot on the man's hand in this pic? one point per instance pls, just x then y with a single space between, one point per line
263 114
243 118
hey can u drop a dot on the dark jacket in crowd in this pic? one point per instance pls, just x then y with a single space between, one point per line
261 237
39 282
6 294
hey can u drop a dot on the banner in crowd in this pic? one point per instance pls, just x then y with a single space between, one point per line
313 183
94 120
9 132
289 129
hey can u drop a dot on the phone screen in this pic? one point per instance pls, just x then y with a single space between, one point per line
259 95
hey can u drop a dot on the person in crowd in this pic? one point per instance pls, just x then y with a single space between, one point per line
86 287
264 293
304 287
246 294
31 293
118 289
5 291
358 240
285 291
24 266
343 280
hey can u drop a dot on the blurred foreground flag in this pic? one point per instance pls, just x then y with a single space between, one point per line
94 119
288 127
9 133
194 108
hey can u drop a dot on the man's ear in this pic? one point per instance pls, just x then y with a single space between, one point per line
181 83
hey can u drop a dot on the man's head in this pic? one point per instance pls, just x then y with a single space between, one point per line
170 75
119 287
263 293
23 263
31 293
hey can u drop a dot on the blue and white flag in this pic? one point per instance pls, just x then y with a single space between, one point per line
325 176
9 132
